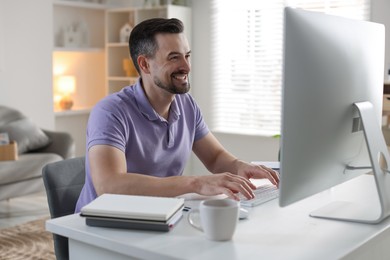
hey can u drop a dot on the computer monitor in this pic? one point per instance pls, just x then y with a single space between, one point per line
332 107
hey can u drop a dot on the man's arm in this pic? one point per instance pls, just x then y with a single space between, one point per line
108 172
217 160
214 156
109 175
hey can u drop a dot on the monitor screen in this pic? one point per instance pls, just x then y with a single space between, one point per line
330 64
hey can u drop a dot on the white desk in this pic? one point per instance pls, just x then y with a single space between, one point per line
270 233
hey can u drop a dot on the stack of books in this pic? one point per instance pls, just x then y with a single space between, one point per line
133 212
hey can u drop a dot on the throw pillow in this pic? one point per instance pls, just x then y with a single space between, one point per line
24 132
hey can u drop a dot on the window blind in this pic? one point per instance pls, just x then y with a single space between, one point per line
247 46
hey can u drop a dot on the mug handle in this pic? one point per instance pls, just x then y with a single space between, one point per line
191 221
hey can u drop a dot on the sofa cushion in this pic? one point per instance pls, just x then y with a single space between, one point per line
27 167
8 115
22 130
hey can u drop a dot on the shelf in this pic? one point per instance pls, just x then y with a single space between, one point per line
79 4
78 49
72 112
118 44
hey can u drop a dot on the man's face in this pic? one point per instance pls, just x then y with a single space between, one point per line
171 64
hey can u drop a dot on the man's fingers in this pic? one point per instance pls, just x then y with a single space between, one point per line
231 194
241 187
228 184
271 175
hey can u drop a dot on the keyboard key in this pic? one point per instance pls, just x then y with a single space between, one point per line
263 194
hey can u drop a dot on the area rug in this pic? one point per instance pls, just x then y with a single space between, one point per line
27 241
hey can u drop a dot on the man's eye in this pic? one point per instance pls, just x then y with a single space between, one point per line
174 57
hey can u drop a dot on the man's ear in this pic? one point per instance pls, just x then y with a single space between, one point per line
143 64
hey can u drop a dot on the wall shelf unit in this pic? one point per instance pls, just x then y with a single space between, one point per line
79 51
79 46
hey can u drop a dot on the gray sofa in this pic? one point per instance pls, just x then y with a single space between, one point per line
36 148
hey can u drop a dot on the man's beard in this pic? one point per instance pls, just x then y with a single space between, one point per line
182 89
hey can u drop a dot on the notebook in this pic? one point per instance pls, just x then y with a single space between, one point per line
133 207
110 222
133 212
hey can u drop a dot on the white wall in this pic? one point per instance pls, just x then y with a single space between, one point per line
25 77
380 13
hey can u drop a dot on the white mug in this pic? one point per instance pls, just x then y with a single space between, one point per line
218 218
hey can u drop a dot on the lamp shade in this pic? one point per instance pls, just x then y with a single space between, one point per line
66 85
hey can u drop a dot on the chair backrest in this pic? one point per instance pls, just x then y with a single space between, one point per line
63 182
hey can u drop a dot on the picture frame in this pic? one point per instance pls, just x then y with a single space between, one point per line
4 139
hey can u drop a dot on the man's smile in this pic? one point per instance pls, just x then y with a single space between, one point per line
180 77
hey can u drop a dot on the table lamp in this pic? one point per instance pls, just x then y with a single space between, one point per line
66 86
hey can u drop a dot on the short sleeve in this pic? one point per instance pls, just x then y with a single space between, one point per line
106 127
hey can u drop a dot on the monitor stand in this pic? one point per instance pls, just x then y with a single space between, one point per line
349 211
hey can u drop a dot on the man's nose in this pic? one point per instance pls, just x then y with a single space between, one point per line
186 65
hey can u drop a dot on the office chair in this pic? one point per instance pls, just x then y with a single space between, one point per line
63 182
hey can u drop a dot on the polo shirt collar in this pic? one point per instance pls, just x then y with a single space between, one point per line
146 108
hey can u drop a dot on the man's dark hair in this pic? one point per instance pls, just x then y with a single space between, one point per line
142 38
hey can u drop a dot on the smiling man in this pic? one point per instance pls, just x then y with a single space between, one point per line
139 139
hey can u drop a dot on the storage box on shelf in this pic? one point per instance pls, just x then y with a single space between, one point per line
9 152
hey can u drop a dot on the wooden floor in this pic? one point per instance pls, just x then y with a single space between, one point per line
23 209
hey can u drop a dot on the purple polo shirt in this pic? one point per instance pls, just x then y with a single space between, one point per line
152 145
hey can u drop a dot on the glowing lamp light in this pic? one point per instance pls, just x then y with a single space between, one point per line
66 86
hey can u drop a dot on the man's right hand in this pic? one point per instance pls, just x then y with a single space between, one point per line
224 183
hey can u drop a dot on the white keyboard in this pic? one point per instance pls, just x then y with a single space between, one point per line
263 194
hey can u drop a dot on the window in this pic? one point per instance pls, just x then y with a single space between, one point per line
247 42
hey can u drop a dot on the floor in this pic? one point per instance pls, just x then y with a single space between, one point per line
23 209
